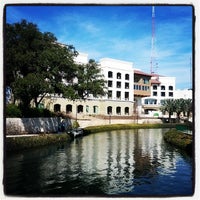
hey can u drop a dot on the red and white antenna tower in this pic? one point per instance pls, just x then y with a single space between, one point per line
154 64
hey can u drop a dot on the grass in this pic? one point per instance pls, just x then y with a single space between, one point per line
95 129
179 139
21 143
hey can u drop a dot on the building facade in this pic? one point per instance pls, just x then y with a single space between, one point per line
118 101
162 88
130 92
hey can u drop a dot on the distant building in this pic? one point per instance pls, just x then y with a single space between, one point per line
142 88
130 92
185 94
162 87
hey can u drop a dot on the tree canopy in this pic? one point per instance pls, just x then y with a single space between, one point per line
36 64
178 106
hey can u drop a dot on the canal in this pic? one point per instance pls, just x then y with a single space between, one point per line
114 163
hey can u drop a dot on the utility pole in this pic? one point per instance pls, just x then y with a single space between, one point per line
153 61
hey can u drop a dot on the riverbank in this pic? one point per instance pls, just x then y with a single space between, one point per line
95 129
179 139
16 143
23 142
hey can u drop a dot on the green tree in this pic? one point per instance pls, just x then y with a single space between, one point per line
29 88
188 107
168 106
179 107
36 64
89 80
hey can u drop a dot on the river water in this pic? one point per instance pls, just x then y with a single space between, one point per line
115 163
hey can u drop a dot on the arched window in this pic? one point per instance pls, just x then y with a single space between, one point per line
118 75
95 109
80 109
126 110
68 108
126 76
87 109
109 110
110 74
118 110
57 108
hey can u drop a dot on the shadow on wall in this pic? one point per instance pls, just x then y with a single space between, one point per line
35 125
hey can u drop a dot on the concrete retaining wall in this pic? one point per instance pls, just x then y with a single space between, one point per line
15 126
96 121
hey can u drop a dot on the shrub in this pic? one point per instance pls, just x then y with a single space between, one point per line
75 124
36 112
21 143
13 110
179 139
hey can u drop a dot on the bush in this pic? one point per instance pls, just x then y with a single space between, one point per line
36 112
13 111
21 143
75 124
179 139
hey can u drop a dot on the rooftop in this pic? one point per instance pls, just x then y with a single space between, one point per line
141 73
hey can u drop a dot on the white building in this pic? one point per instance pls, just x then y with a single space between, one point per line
117 102
162 88
126 95
184 94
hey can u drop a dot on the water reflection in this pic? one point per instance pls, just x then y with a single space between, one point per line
131 162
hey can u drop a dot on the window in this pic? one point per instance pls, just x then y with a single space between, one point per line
146 101
80 109
118 94
170 87
162 94
57 107
118 75
41 105
118 110
135 87
109 94
155 94
146 81
154 87
126 95
127 86
126 110
109 110
118 84
95 109
110 74
126 76
150 101
68 108
170 94
87 109
110 83
162 87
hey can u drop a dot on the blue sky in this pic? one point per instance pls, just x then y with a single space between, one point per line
120 32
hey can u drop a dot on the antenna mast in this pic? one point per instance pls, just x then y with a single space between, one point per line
153 51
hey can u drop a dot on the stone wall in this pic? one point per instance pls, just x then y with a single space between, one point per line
15 126
97 121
